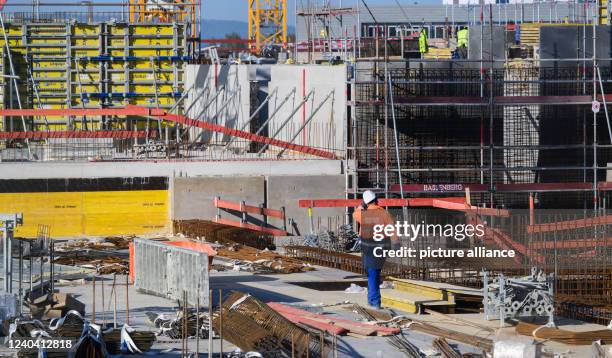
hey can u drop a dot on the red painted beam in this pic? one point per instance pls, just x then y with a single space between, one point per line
159 113
570 244
73 134
254 227
462 206
505 242
475 187
343 203
382 330
438 188
246 135
570 224
127 111
231 205
321 326
499 100
534 187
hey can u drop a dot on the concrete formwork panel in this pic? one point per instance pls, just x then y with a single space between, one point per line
220 95
326 129
287 190
557 42
192 198
481 47
168 271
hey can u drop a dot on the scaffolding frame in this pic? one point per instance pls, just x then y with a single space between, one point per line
482 91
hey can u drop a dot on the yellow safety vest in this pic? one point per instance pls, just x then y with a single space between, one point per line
423 42
462 38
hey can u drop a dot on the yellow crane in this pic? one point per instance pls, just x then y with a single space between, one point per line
267 23
164 11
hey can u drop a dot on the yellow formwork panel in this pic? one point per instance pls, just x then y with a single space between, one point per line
48 45
80 214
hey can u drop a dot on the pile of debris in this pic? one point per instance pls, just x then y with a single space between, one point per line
107 243
245 258
54 305
346 240
87 339
108 255
196 325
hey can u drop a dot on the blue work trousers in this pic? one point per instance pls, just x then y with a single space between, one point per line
374 287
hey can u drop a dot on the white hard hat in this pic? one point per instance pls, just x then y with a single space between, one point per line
369 196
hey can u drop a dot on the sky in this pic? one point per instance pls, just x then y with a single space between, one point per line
221 10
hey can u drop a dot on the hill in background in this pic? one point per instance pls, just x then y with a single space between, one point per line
217 29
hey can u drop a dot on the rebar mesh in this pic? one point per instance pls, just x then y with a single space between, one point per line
254 326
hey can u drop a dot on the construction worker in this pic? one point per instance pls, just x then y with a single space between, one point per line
423 47
463 39
368 215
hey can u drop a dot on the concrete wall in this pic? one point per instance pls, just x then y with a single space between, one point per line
326 129
569 41
192 198
480 43
287 190
230 108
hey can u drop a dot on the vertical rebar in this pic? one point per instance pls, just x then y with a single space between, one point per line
220 323
127 299
93 304
210 323
114 293
198 323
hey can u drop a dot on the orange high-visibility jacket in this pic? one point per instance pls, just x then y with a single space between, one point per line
374 215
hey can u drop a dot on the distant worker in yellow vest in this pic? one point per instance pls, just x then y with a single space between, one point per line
423 47
463 39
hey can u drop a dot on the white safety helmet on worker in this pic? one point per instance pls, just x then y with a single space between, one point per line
369 196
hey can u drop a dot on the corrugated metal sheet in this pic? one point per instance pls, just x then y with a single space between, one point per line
166 271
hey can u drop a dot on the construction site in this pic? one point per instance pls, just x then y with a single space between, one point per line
164 193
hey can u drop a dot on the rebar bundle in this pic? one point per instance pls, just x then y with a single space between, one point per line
253 326
398 341
346 240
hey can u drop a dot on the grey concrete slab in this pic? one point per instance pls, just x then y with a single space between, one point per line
43 170
287 190
192 198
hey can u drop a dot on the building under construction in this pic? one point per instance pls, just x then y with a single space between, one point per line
119 119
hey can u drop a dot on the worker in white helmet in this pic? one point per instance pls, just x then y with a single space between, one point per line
367 215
